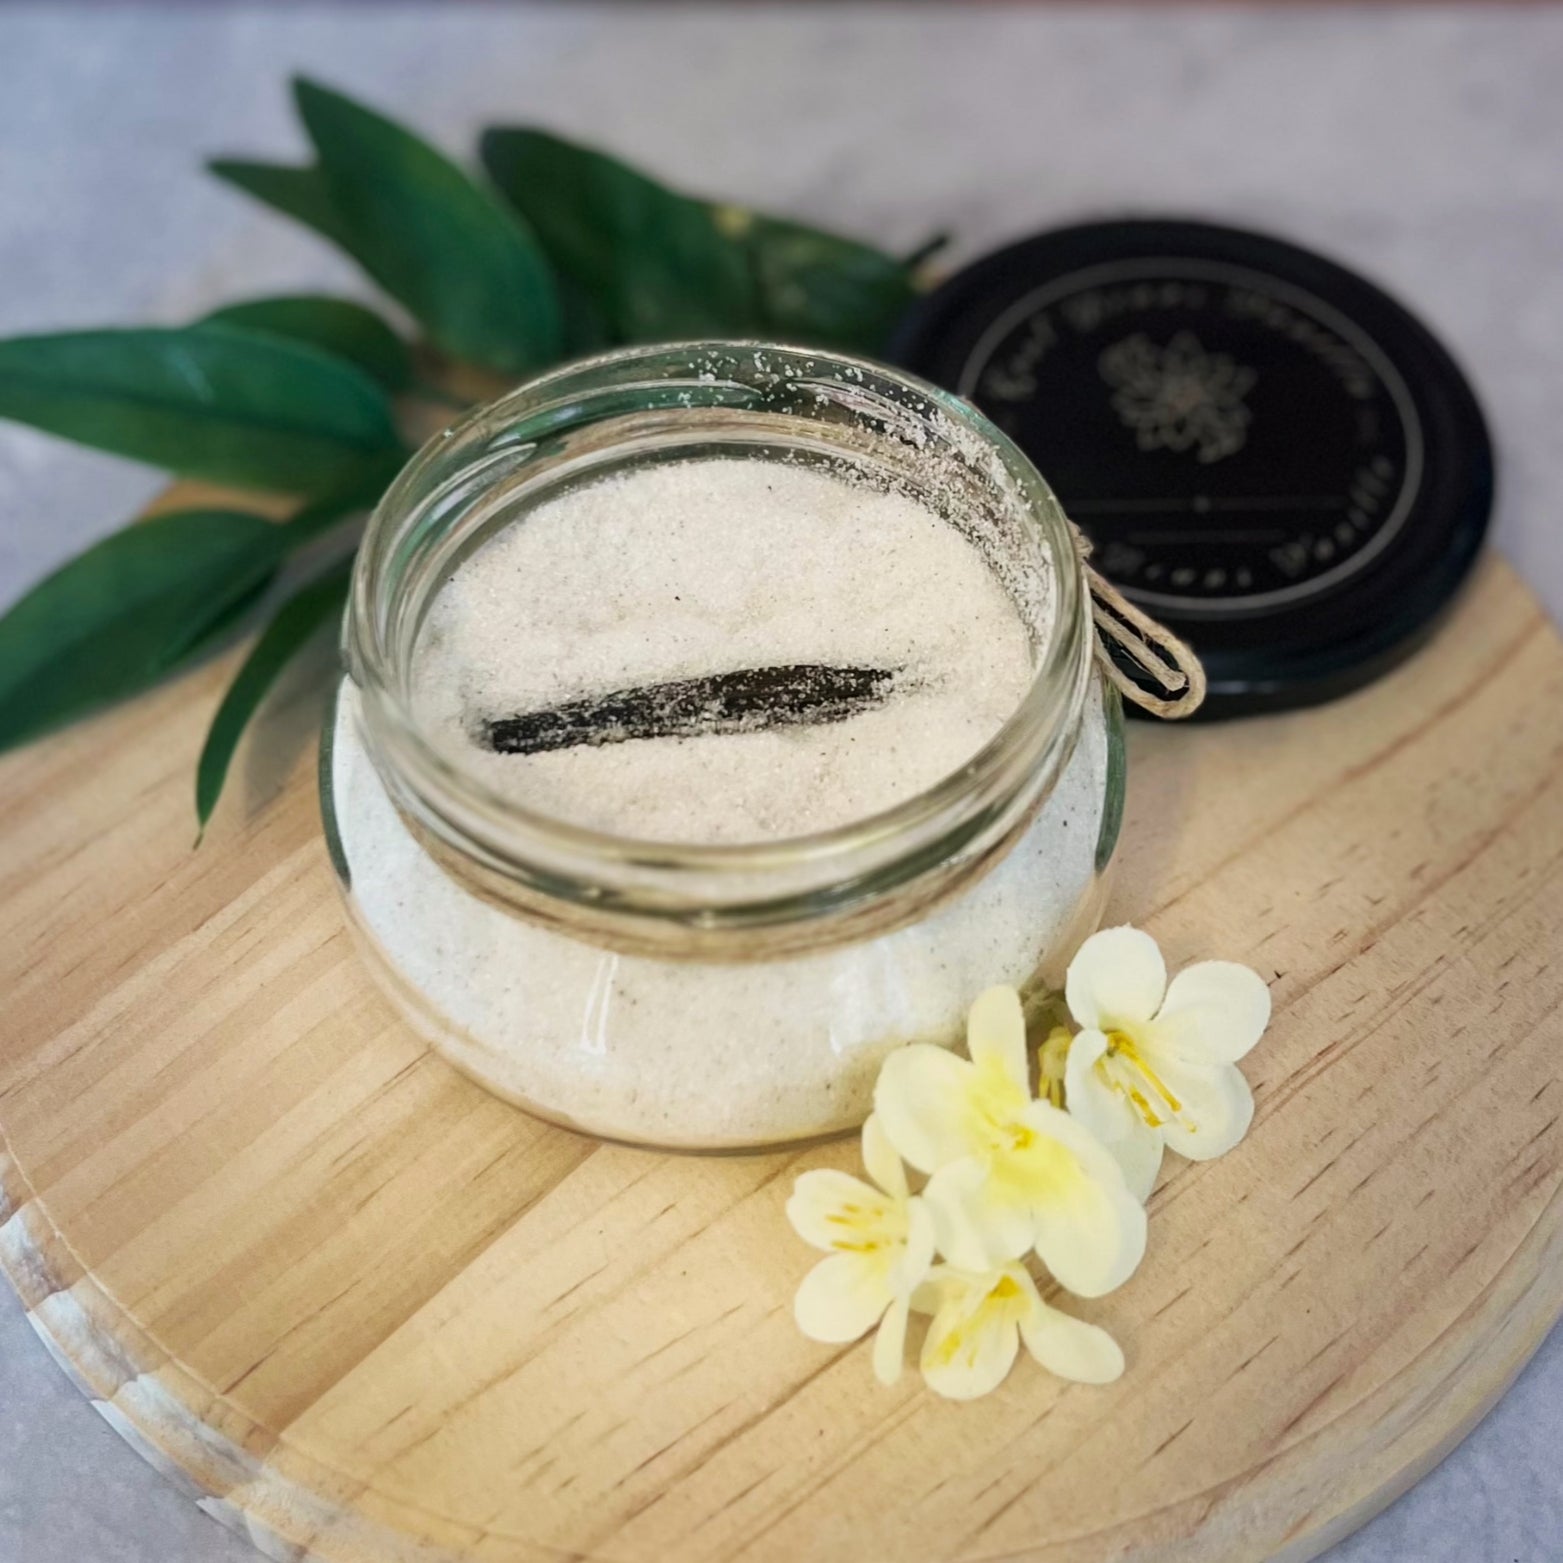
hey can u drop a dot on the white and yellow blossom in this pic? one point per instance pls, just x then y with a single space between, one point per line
881 1243
979 1321
1156 1063
1008 1173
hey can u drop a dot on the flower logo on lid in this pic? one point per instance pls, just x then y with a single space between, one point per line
1179 397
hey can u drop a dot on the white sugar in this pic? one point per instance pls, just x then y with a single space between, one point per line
703 568
689 571
701 1053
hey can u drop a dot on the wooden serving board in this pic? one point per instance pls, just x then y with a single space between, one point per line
369 1314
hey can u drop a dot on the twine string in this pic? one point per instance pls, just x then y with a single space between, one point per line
1170 663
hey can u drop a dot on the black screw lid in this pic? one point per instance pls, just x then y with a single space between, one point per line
1270 455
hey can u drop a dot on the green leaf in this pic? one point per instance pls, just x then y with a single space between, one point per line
1117 775
584 323
118 617
821 289
288 632
664 265
654 260
432 238
209 401
334 325
362 493
300 193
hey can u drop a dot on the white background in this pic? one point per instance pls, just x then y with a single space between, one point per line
1423 147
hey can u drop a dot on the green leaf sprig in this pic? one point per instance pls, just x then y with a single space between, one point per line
333 325
560 250
206 401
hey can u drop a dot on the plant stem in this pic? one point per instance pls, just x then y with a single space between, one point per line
926 250
427 392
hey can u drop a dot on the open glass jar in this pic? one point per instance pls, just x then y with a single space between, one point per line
739 994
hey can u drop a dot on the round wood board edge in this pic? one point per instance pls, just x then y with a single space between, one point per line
1391 1435
290 1524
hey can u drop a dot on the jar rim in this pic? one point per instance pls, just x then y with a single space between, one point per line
688 877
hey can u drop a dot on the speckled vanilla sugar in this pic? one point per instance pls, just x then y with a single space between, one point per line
695 570
706 567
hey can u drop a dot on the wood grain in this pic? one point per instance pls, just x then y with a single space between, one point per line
367 1313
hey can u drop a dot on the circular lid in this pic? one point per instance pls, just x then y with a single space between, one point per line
1270 455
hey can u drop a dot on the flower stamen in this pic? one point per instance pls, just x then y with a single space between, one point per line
1120 1045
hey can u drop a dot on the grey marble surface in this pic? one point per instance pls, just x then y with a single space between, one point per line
1425 147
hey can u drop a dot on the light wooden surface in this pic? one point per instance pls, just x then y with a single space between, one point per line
369 1313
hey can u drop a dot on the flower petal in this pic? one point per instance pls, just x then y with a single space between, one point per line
842 1297
1071 1348
1214 1013
1090 1229
921 1243
1092 1243
922 1102
1090 1099
890 1342
978 1221
1117 978
968 1351
1139 1155
820 1198
879 1157
1216 1108
1050 1122
996 1035
1108 1114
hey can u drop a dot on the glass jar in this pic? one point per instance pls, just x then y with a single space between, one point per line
714 996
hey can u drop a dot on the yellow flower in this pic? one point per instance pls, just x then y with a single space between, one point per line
1008 1173
1052 1057
880 1242
979 1321
1157 1063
